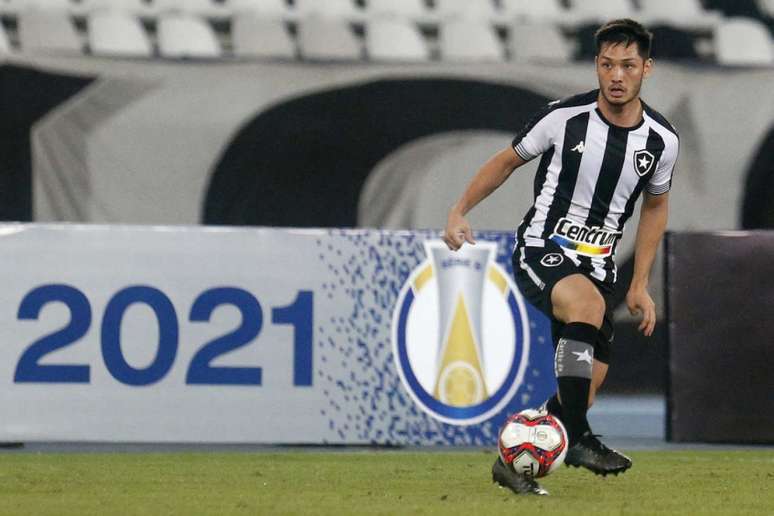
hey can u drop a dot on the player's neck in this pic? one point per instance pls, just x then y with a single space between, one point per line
625 115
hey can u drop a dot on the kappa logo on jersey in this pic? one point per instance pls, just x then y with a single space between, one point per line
552 260
579 148
460 364
644 161
587 241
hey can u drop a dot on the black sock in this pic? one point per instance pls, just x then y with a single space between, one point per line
554 407
574 360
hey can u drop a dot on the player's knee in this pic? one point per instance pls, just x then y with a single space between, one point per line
589 309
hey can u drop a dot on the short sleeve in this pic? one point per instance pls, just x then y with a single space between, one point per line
661 182
536 137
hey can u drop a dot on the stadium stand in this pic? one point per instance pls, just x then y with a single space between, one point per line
685 30
117 33
743 41
395 40
321 38
469 40
539 42
186 36
256 36
48 30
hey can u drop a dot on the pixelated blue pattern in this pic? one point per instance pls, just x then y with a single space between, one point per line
366 401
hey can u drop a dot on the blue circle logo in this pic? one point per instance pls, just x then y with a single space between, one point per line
460 334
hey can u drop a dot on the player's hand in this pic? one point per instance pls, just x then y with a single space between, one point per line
457 231
639 302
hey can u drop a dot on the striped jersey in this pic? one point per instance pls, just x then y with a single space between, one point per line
590 176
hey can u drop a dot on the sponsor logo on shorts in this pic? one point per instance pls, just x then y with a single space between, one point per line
552 260
587 241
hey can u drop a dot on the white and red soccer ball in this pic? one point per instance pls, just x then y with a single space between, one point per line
533 443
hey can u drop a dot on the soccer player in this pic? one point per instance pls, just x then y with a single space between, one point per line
600 151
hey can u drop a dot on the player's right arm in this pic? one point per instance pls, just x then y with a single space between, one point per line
489 177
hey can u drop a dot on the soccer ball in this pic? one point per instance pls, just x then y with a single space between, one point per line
533 443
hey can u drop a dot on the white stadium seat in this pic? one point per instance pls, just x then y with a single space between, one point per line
255 36
5 45
466 9
688 14
539 42
206 8
743 41
395 40
532 11
473 40
117 33
600 11
338 9
137 7
414 10
327 39
766 7
265 8
48 31
182 35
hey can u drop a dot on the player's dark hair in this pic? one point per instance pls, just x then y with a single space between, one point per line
625 31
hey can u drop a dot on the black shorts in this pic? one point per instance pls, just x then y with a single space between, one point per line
538 269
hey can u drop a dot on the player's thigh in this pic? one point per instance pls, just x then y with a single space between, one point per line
537 270
575 298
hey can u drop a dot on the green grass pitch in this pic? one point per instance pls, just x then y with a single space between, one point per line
381 482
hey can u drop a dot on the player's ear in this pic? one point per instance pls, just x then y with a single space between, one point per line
648 66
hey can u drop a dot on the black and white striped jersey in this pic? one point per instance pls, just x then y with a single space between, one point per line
590 177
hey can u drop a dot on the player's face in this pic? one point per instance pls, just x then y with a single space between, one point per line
620 70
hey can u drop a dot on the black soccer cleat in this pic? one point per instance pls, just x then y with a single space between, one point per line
590 453
519 484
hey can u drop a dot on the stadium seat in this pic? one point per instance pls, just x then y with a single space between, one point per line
466 9
530 11
322 38
766 7
136 7
599 11
743 41
5 45
395 40
253 35
338 9
470 40
117 33
205 8
539 42
688 14
414 10
43 30
181 35
266 8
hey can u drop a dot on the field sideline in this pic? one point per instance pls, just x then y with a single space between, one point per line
379 482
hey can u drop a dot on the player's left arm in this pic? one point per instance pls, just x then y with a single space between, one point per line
653 220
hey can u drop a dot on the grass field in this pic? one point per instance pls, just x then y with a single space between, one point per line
667 482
